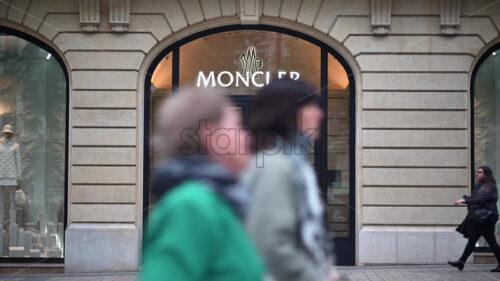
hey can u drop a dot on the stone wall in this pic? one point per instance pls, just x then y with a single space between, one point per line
413 131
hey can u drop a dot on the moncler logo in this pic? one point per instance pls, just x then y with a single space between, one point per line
250 77
250 62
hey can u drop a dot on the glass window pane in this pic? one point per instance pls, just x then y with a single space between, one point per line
32 150
487 117
221 57
161 88
338 149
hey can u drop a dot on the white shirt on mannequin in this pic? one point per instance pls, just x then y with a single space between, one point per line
10 162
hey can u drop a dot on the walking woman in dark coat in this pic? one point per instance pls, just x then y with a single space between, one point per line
482 216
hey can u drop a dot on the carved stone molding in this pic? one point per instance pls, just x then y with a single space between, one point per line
89 15
381 16
119 15
450 16
249 11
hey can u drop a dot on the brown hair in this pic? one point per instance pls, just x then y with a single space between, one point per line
488 176
181 115
275 108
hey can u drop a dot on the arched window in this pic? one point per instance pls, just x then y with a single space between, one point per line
242 59
486 117
33 120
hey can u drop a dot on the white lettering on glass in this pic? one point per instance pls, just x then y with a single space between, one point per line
251 65
206 81
245 79
229 75
255 75
227 79
294 75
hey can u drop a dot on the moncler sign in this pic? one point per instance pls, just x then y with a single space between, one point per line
250 62
250 77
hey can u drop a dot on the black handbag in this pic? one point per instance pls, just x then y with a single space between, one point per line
479 214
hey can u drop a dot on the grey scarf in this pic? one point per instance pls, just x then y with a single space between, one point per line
170 174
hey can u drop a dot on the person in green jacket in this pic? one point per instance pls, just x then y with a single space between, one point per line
195 232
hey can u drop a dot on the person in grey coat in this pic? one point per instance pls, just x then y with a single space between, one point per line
286 219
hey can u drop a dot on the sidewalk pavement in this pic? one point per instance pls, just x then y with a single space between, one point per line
471 272
474 272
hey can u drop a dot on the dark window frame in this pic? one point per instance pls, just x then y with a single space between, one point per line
320 154
4 30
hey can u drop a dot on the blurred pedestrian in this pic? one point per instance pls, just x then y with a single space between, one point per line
482 216
287 217
195 232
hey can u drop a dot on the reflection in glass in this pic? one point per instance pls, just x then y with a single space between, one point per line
487 117
338 149
161 88
32 150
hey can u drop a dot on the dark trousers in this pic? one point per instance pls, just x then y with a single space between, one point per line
487 230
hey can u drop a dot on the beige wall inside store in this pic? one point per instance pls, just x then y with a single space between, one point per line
412 112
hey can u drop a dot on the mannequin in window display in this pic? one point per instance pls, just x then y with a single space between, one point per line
10 172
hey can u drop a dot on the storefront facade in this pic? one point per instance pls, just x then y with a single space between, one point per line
409 88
